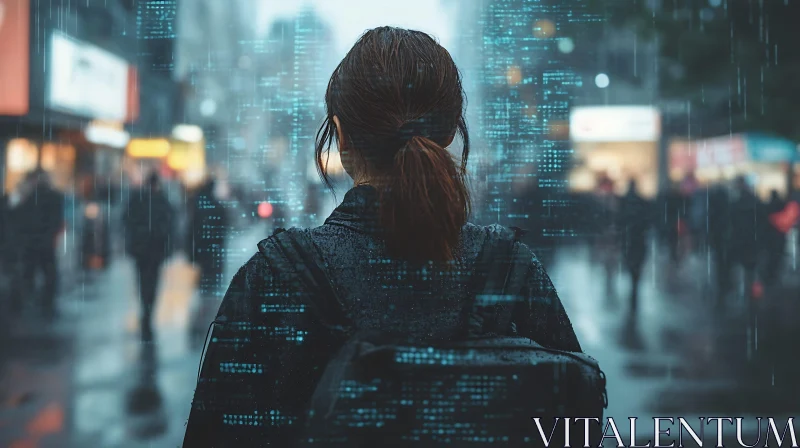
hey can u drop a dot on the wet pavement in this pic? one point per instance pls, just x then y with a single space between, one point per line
86 380
682 356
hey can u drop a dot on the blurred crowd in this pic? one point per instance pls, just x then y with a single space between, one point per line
150 228
744 240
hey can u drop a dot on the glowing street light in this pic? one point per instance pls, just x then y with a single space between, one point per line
602 80
208 107
566 45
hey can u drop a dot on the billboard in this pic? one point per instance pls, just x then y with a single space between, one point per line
615 124
86 80
15 57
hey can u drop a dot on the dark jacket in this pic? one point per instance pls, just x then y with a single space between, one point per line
265 358
635 219
149 220
5 229
775 238
39 218
749 223
719 221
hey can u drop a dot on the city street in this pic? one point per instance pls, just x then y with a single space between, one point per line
88 381
681 357
143 139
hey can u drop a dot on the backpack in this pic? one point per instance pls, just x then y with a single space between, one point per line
483 389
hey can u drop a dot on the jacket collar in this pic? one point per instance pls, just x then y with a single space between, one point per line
358 210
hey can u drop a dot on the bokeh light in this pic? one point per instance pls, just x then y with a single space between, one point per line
602 80
514 75
544 29
264 210
566 45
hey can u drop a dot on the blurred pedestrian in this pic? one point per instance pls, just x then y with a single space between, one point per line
6 258
606 244
719 239
634 222
148 223
775 242
675 222
207 231
5 215
39 221
12 253
749 220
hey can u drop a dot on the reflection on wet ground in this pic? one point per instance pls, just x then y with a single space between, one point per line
86 380
681 356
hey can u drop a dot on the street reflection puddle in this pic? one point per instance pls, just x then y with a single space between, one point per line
100 365
97 411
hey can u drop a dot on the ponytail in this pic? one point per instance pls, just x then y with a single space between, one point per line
424 202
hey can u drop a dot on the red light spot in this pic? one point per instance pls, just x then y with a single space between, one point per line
49 420
265 210
758 290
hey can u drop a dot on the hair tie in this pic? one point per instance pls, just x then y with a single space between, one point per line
413 128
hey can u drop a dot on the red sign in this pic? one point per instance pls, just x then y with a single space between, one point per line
14 56
722 151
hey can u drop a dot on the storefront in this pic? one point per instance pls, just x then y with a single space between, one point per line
65 107
24 155
180 157
767 162
613 145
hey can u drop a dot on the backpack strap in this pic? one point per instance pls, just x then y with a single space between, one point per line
299 257
304 267
484 312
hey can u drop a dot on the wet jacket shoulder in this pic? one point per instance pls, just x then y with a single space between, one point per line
267 352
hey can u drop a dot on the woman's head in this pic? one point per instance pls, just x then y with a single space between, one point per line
394 104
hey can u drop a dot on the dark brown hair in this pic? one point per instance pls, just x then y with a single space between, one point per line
398 97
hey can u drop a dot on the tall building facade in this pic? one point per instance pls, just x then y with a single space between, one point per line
156 35
293 69
526 87
216 77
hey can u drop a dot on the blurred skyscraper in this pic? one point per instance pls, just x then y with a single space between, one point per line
525 88
211 54
156 33
293 69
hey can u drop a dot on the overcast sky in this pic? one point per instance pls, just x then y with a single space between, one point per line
350 18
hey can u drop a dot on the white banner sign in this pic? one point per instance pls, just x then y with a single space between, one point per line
615 124
86 80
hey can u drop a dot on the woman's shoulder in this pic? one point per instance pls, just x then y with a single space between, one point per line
475 236
481 234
